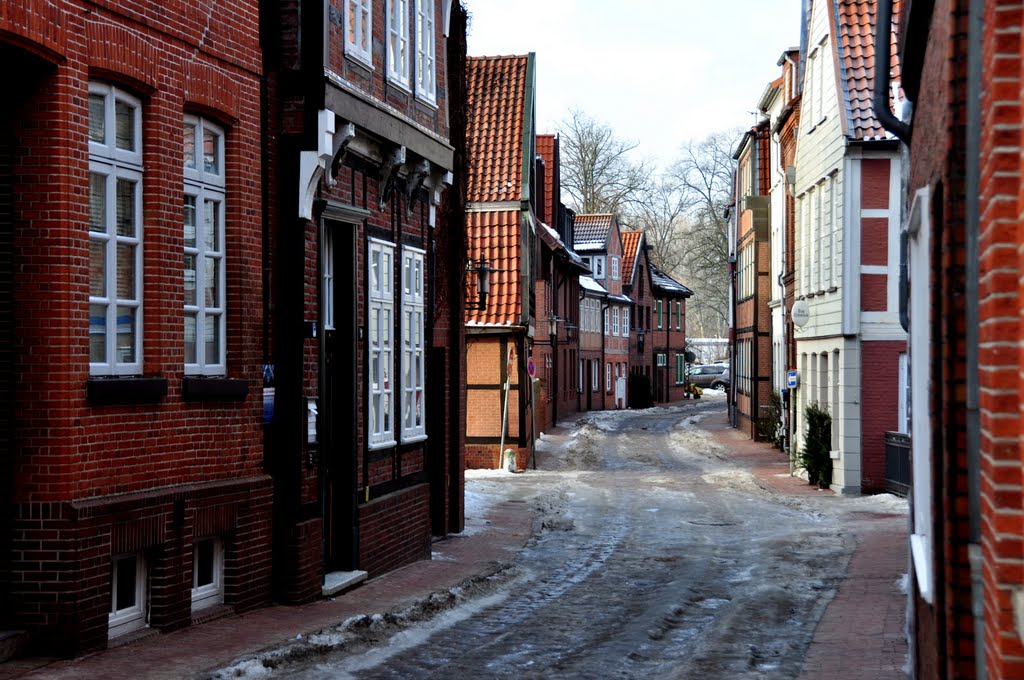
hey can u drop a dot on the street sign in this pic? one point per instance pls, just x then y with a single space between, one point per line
791 379
531 368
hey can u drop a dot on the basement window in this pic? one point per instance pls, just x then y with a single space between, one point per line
128 606
207 573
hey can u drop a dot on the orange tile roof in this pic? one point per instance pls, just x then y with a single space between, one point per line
590 232
631 241
494 236
547 148
857 54
496 112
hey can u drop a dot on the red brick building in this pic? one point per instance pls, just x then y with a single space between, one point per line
667 336
556 349
365 339
752 319
503 191
131 460
598 241
962 64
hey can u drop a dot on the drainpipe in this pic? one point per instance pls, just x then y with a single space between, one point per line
602 371
976 14
883 36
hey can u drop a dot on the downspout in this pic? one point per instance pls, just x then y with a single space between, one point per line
880 101
602 371
975 29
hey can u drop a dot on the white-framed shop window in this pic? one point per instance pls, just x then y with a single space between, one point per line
115 232
381 343
398 41
129 607
207 573
414 426
426 51
204 267
359 30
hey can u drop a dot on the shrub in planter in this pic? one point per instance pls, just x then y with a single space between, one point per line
814 456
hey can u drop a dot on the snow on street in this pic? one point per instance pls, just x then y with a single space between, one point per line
655 555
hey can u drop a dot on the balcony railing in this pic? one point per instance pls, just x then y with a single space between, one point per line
897 463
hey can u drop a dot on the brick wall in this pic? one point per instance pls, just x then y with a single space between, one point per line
394 530
879 408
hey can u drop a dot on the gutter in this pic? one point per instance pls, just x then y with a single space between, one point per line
880 102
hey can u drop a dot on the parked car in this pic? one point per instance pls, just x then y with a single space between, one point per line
714 376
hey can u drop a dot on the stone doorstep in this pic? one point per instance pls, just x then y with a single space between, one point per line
12 644
338 581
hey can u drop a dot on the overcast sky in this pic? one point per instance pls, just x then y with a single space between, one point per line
658 72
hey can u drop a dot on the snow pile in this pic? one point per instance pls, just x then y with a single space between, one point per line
882 504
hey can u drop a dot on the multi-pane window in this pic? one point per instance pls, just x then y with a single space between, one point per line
680 369
413 346
615 267
607 325
115 231
660 359
658 309
625 323
359 29
128 609
381 343
426 49
398 41
679 315
207 573
595 383
608 376
203 223
615 321
598 267
834 223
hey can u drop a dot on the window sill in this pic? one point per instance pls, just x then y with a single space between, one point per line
390 444
130 390
202 388
832 289
416 439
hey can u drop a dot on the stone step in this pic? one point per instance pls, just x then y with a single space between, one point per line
339 581
12 644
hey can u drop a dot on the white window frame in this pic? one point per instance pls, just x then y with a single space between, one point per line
608 376
598 267
113 163
579 386
327 265
414 345
659 310
209 594
359 38
207 187
680 369
381 344
615 321
661 359
615 268
398 42
595 377
679 315
919 229
834 222
625 322
136 616
426 51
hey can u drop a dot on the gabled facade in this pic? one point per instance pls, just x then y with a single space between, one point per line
751 367
599 242
131 459
667 336
847 189
638 286
360 442
962 62
503 191
556 349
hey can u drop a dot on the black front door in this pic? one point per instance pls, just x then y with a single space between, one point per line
338 391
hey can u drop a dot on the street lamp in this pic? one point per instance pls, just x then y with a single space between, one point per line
553 325
476 295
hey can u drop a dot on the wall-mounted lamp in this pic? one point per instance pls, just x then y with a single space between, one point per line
478 283
553 325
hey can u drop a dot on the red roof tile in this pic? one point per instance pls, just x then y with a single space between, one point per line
857 54
496 104
547 148
494 236
631 241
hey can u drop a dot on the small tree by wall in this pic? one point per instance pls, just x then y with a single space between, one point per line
814 456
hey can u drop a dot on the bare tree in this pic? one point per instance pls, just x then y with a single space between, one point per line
704 176
598 174
660 211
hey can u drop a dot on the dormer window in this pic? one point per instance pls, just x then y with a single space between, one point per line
615 268
598 266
